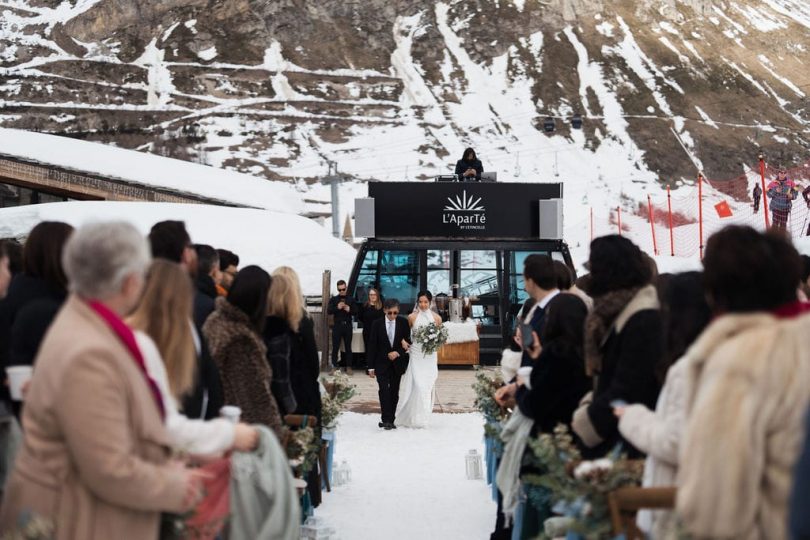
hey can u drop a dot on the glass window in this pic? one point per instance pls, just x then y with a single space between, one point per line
368 275
399 275
516 282
478 275
438 271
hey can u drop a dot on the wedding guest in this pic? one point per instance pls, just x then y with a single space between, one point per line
565 279
206 280
288 315
282 320
34 297
169 240
658 433
370 311
36 294
748 387
558 379
14 252
164 335
234 333
288 303
623 341
228 266
95 458
343 308
800 495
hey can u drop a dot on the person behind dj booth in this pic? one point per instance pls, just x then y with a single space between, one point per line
469 167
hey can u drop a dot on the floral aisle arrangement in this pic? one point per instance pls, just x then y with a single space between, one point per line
430 337
486 384
339 390
577 488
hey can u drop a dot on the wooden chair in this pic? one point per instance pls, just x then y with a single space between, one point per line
624 503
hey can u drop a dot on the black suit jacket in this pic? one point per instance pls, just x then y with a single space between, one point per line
379 346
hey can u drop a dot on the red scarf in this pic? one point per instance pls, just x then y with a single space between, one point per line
127 337
791 310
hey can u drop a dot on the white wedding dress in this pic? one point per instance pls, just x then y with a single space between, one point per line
416 387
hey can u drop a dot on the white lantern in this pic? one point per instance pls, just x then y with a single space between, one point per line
338 475
475 468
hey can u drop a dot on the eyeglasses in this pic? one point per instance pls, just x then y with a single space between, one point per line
343 289
392 312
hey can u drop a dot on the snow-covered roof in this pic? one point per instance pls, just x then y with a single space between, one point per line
266 238
150 170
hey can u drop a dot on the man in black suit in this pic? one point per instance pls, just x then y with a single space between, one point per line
388 347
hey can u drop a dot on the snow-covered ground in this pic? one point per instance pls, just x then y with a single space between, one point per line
409 484
268 239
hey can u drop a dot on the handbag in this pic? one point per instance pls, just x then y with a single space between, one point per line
208 519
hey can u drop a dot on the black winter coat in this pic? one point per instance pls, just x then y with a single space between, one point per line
204 298
26 313
558 384
628 373
305 368
462 165
368 314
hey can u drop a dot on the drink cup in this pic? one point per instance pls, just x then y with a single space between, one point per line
17 377
231 412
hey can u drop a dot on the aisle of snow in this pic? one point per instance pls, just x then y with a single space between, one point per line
409 484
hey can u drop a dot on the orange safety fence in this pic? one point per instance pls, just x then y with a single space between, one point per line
677 222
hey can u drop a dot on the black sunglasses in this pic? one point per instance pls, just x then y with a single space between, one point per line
392 312
341 289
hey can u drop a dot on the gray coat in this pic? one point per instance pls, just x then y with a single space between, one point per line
264 501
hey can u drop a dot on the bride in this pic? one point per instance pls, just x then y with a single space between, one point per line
416 389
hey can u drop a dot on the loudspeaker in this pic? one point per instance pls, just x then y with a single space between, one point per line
364 217
551 219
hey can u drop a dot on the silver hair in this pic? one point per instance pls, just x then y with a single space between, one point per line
98 257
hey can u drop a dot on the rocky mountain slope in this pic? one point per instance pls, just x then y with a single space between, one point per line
396 89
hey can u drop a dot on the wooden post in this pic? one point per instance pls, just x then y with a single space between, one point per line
619 218
652 224
764 192
671 233
700 211
326 289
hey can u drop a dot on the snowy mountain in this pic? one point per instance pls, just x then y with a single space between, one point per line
396 90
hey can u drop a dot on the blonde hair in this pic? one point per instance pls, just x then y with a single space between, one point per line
378 304
164 313
285 299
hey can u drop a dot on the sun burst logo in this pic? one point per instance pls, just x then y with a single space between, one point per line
463 203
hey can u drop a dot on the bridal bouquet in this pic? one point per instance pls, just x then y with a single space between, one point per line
430 337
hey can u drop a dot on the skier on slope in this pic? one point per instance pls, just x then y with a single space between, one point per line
757 196
782 193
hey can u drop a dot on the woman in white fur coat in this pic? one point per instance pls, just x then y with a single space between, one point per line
747 390
657 433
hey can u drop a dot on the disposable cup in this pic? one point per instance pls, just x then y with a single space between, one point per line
17 377
231 412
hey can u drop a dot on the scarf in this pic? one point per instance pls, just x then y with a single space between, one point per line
515 435
127 337
599 323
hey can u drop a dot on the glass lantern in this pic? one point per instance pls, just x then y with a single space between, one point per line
475 468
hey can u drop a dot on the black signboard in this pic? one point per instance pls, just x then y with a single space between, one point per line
458 209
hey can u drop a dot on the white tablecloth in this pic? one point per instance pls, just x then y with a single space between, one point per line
461 332
357 342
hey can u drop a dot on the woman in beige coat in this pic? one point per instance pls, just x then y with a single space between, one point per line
95 462
747 390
